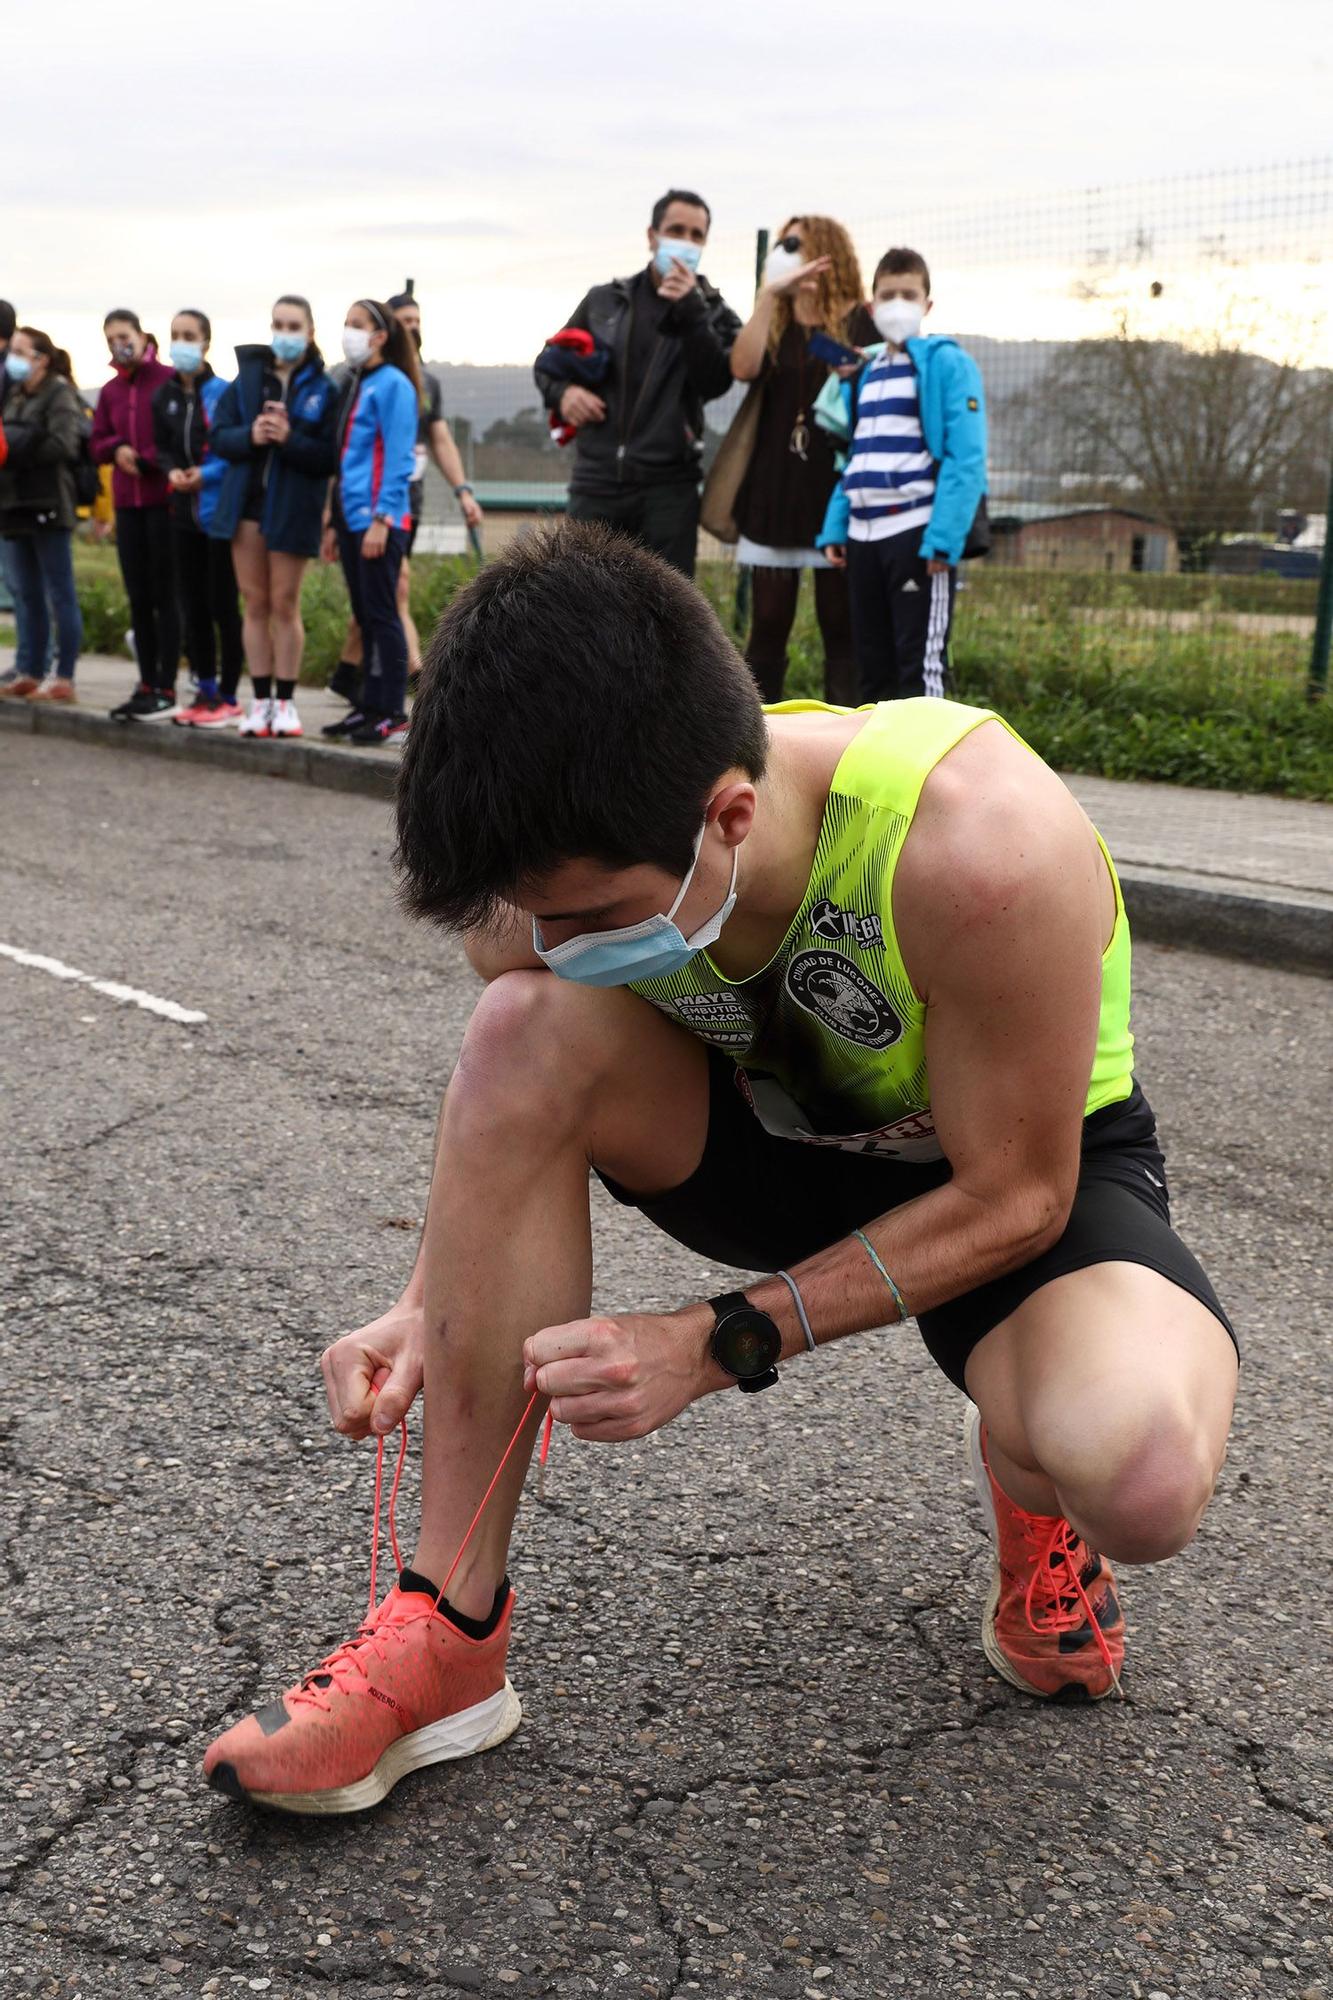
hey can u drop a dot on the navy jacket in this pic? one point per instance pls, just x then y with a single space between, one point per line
295 474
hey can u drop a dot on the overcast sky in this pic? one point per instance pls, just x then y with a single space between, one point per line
505 153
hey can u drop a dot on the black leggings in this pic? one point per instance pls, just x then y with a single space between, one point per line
775 592
208 594
147 563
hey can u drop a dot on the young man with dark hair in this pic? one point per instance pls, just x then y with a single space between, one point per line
640 438
914 423
839 996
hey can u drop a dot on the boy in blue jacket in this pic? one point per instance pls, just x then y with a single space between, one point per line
899 517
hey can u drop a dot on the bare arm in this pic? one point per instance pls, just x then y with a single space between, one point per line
1001 906
446 453
751 343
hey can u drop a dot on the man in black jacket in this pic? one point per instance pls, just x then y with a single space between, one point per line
640 440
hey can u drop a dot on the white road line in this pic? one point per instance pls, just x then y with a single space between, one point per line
111 987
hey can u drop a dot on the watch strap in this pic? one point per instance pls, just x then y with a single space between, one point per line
730 1302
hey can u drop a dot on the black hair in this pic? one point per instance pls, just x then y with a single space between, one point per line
8 319
403 299
897 264
122 312
579 700
664 202
400 350
193 312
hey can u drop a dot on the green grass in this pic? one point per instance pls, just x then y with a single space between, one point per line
1073 662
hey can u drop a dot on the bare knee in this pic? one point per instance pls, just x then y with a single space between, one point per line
257 605
1140 1498
529 1056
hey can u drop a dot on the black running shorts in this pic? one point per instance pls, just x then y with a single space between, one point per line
761 1203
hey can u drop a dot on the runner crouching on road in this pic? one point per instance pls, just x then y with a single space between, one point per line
276 428
371 511
839 995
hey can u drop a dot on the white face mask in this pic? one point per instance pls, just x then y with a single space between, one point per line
356 344
898 319
781 263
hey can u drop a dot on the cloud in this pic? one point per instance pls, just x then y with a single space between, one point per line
465 226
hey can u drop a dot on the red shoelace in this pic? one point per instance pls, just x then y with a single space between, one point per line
348 1661
1066 1607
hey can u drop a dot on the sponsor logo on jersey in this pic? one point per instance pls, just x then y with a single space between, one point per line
828 921
838 994
719 1018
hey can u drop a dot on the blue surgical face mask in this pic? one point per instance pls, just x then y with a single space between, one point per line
18 367
648 950
187 356
289 346
675 248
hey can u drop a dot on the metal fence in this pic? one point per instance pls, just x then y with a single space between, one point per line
1158 364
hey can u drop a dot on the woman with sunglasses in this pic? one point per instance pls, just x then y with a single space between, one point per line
810 302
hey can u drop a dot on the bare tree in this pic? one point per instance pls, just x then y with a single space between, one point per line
1210 438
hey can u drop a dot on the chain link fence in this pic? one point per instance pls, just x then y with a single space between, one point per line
1158 362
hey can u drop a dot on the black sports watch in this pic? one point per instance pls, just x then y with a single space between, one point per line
745 1342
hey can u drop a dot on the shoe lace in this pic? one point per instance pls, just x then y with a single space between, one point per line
1056 1599
350 1662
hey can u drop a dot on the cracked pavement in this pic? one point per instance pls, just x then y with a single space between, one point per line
762 1751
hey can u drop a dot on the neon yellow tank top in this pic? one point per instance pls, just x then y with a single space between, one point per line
829 1037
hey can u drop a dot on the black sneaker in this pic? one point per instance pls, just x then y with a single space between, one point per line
346 681
158 704
382 729
136 705
354 719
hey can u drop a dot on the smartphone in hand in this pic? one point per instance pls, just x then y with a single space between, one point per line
825 348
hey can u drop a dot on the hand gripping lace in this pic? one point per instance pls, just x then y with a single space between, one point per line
1065 1608
346 1662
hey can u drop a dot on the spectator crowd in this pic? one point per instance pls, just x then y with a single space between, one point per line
858 453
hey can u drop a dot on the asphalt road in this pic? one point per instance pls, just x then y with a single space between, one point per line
763 1754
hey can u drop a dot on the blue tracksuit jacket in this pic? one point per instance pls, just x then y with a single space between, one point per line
953 423
378 448
296 474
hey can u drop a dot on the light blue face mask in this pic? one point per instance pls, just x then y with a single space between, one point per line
648 950
187 356
289 346
675 248
18 367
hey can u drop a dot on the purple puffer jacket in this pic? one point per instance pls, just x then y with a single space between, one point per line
125 416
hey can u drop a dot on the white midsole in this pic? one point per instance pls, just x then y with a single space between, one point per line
480 1727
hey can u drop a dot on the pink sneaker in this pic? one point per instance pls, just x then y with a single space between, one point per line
201 714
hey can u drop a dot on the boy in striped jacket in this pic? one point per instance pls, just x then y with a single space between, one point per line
899 518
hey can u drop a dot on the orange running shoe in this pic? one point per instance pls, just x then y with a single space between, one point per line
1052 1624
411 1689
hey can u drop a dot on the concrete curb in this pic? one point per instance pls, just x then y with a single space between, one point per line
1271 928
371 773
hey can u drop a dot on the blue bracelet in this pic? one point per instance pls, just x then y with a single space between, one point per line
790 1283
874 1257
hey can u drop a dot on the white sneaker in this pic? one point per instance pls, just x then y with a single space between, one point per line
286 722
259 722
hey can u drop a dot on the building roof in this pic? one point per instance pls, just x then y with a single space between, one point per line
1027 513
522 496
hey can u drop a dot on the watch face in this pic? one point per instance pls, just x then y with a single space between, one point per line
747 1342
